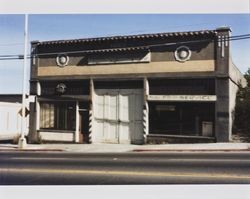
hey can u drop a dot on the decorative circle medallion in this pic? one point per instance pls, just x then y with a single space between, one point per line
182 54
62 60
61 88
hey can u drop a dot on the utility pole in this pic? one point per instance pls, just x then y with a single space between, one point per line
22 141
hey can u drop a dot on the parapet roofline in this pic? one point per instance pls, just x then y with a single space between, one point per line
139 36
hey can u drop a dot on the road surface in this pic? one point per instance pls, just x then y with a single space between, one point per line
59 168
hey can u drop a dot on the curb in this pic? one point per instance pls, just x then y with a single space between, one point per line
9 150
189 150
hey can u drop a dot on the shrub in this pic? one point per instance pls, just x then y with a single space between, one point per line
242 109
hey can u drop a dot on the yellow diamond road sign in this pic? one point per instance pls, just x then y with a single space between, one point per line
27 112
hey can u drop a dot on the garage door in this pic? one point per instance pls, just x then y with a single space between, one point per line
118 116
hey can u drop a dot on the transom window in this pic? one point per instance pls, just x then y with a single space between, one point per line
119 58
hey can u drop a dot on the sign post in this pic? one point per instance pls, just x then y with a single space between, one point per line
22 141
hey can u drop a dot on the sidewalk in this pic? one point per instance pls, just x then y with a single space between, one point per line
119 148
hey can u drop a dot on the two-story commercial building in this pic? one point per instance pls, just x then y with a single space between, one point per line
131 89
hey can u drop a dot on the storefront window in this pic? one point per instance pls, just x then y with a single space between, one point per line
181 118
57 116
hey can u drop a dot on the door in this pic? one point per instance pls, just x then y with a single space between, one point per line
118 116
83 126
105 116
124 116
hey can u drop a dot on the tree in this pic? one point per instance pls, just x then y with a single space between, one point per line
242 109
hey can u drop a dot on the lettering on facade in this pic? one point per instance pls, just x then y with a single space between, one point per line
181 97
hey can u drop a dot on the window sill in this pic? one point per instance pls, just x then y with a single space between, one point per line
56 131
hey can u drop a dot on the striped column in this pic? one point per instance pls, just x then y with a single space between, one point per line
91 110
77 133
145 110
90 122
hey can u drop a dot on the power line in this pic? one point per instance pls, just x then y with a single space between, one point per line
2 59
232 38
13 55
16 44
235 36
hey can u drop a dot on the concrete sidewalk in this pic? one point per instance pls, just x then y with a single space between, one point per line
119 148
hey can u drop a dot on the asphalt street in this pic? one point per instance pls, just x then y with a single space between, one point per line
60 168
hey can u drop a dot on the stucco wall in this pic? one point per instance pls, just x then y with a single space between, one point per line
236 75
51 136
233 88
153 67
162 60
10 120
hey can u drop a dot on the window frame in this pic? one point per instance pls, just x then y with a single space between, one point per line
63 119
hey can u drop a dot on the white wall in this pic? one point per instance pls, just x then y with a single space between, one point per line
10 120
236 75
57 136
236 79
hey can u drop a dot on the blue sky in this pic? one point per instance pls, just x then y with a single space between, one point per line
52 27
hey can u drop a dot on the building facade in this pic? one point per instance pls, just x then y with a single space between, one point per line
133 89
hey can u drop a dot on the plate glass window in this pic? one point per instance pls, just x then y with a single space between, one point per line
57 115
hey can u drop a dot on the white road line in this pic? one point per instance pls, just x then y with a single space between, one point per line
134 160
123 173
37 158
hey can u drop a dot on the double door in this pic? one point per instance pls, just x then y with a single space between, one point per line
118 116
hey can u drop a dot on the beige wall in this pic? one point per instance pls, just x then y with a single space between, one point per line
236 75
233 88
141 68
